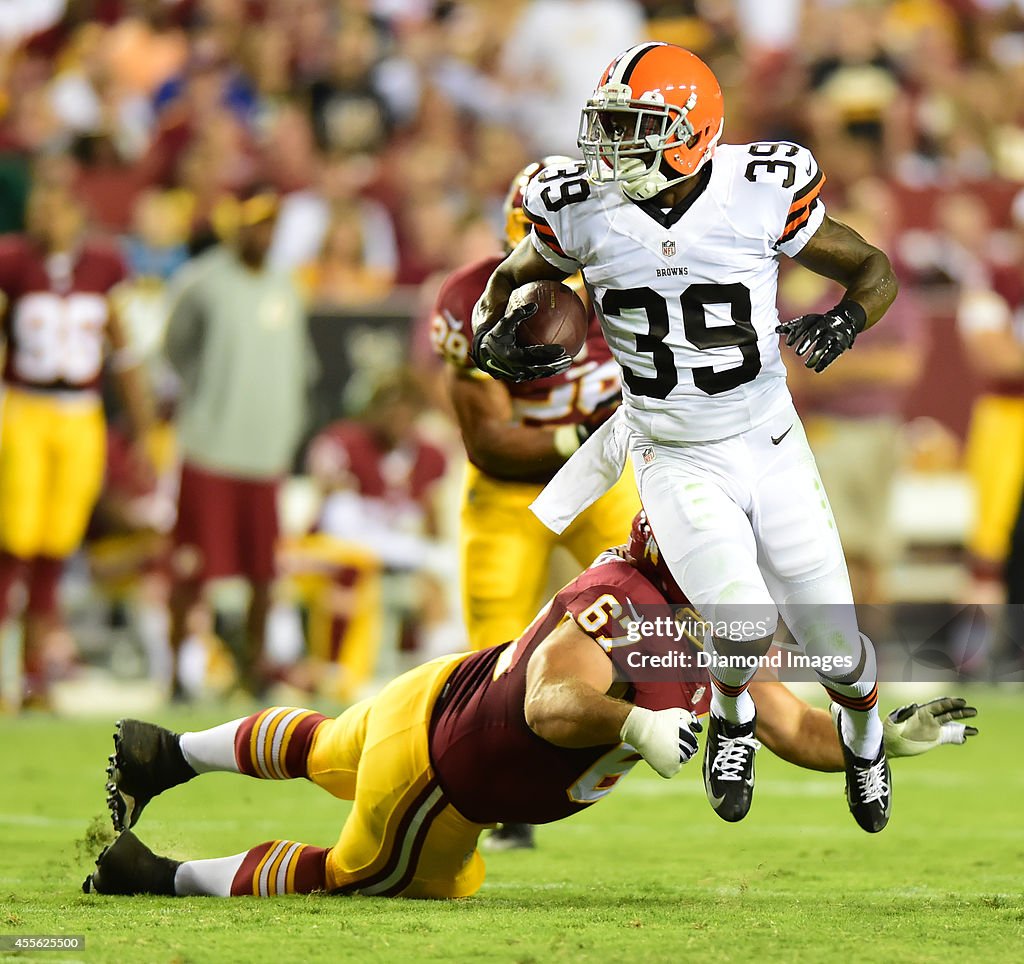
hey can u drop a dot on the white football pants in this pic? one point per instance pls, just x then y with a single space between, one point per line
745 526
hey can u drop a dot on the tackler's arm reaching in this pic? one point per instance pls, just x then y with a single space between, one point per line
567 683
807 737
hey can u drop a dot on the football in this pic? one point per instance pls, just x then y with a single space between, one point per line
561 318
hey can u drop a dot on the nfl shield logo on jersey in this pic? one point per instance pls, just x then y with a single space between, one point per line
668 248
648 455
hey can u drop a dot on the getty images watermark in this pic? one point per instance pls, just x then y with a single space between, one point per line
911 643
691 633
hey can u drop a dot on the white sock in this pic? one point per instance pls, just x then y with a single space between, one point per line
207 878
212 751
857 695
735 704
862 732
734 709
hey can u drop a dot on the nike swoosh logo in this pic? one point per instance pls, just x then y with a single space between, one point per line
775 441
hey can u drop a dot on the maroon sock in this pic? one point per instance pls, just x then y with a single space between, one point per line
10 571
275 743
281 867
44 574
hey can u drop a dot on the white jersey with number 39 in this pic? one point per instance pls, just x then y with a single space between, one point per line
687 296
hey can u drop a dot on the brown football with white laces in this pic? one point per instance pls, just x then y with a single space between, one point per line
560 319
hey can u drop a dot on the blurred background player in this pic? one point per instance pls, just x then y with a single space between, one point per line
373 552
990 317
60 328
516 438
237 338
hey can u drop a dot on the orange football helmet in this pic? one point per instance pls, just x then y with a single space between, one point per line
656 110
517 224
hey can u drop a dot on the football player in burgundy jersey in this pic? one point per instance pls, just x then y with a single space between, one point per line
516 437
59 329
534 731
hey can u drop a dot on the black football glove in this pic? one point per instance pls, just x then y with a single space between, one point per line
825 337
496 352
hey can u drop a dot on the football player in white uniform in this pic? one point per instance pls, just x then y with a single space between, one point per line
679 239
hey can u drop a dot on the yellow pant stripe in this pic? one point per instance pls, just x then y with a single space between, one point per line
255 739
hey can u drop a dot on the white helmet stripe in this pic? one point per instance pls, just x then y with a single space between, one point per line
624 66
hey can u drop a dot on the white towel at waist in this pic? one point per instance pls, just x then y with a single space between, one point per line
590 472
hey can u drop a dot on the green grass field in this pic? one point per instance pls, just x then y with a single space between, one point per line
649 874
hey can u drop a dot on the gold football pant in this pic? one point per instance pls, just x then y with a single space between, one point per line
52 457
505 549
402 838
340 586
994 459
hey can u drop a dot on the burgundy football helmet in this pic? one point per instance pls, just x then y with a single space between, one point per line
647 557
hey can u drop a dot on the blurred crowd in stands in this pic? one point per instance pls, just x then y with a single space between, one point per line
390 130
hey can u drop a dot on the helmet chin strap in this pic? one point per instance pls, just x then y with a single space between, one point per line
641 184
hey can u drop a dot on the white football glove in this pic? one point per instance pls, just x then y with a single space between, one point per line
666 739
913 729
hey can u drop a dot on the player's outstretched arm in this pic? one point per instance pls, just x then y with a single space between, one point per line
495 350
496 442
807 737
567 682
841 254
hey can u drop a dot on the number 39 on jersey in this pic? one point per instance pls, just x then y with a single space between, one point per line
687 295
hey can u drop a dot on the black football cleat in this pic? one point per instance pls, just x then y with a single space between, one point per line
868 786
147 760
510 836
128 866
729 767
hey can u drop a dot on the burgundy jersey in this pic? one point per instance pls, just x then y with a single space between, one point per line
564 399
1007 283
56 313
350 451
493 767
